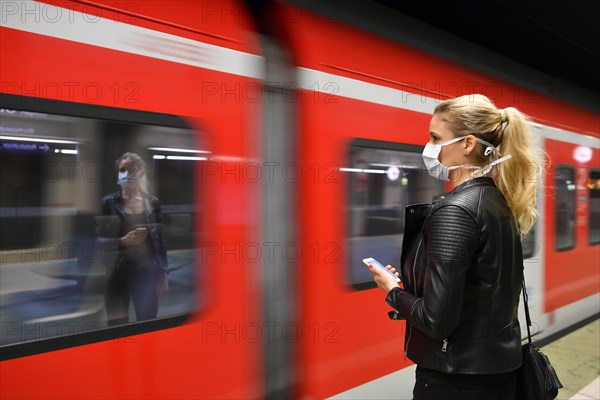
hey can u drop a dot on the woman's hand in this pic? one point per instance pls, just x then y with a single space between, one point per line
384 281
135 236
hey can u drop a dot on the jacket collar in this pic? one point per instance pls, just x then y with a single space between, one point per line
482 181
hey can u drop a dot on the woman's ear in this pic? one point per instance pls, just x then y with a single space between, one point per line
469 144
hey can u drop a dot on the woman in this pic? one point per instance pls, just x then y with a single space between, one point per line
131 236
462 262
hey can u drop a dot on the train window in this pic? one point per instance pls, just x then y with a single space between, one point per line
594 206
383 178
564 208
64 270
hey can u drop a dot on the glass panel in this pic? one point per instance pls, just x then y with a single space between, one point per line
381 183
565 208
57 272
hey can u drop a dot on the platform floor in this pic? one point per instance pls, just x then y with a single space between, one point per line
576 358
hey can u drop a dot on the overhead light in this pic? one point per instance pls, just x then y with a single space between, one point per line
177 150
39 139
66 151
366 171
351 169
186 158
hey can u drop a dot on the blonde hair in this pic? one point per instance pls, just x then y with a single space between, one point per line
140 166
509 130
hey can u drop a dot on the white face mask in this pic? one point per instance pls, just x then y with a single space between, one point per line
439 171
124 180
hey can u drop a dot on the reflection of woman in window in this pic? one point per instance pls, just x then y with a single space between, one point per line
131 236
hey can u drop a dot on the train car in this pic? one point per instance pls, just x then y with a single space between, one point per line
283 142
370 115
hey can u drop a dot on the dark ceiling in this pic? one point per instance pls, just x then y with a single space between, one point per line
558 37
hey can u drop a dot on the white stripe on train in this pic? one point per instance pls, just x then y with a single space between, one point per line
337 85
102 32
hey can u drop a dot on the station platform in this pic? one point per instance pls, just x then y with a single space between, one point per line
576 359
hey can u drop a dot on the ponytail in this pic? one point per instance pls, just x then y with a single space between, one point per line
517 179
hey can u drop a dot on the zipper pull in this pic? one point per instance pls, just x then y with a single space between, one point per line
445 346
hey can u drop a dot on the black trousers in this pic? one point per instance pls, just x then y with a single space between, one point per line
435 385
132 283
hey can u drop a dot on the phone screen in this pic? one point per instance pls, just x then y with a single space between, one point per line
375 263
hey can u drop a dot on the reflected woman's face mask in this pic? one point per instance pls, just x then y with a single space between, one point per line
127 180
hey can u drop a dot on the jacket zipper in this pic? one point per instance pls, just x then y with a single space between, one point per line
415 283
445 345
414 275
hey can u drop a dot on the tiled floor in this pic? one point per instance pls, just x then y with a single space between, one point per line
591 391
576 358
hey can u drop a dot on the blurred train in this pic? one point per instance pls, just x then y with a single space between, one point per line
283 142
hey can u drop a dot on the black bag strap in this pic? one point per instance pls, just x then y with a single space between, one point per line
527 317
552 378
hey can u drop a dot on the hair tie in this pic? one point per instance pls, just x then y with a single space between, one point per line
502 115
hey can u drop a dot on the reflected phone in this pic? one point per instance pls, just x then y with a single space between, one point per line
146 226
373 262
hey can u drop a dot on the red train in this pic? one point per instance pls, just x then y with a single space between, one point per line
283 146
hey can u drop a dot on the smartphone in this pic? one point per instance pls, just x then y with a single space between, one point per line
375 263
146 226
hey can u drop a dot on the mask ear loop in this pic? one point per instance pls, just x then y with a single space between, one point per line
490 149
488 168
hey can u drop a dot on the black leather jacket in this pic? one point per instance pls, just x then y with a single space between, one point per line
110 228
462 275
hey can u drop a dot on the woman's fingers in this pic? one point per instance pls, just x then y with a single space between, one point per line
384 281
392 269
135 236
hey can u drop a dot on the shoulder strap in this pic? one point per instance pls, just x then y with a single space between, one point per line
527 317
